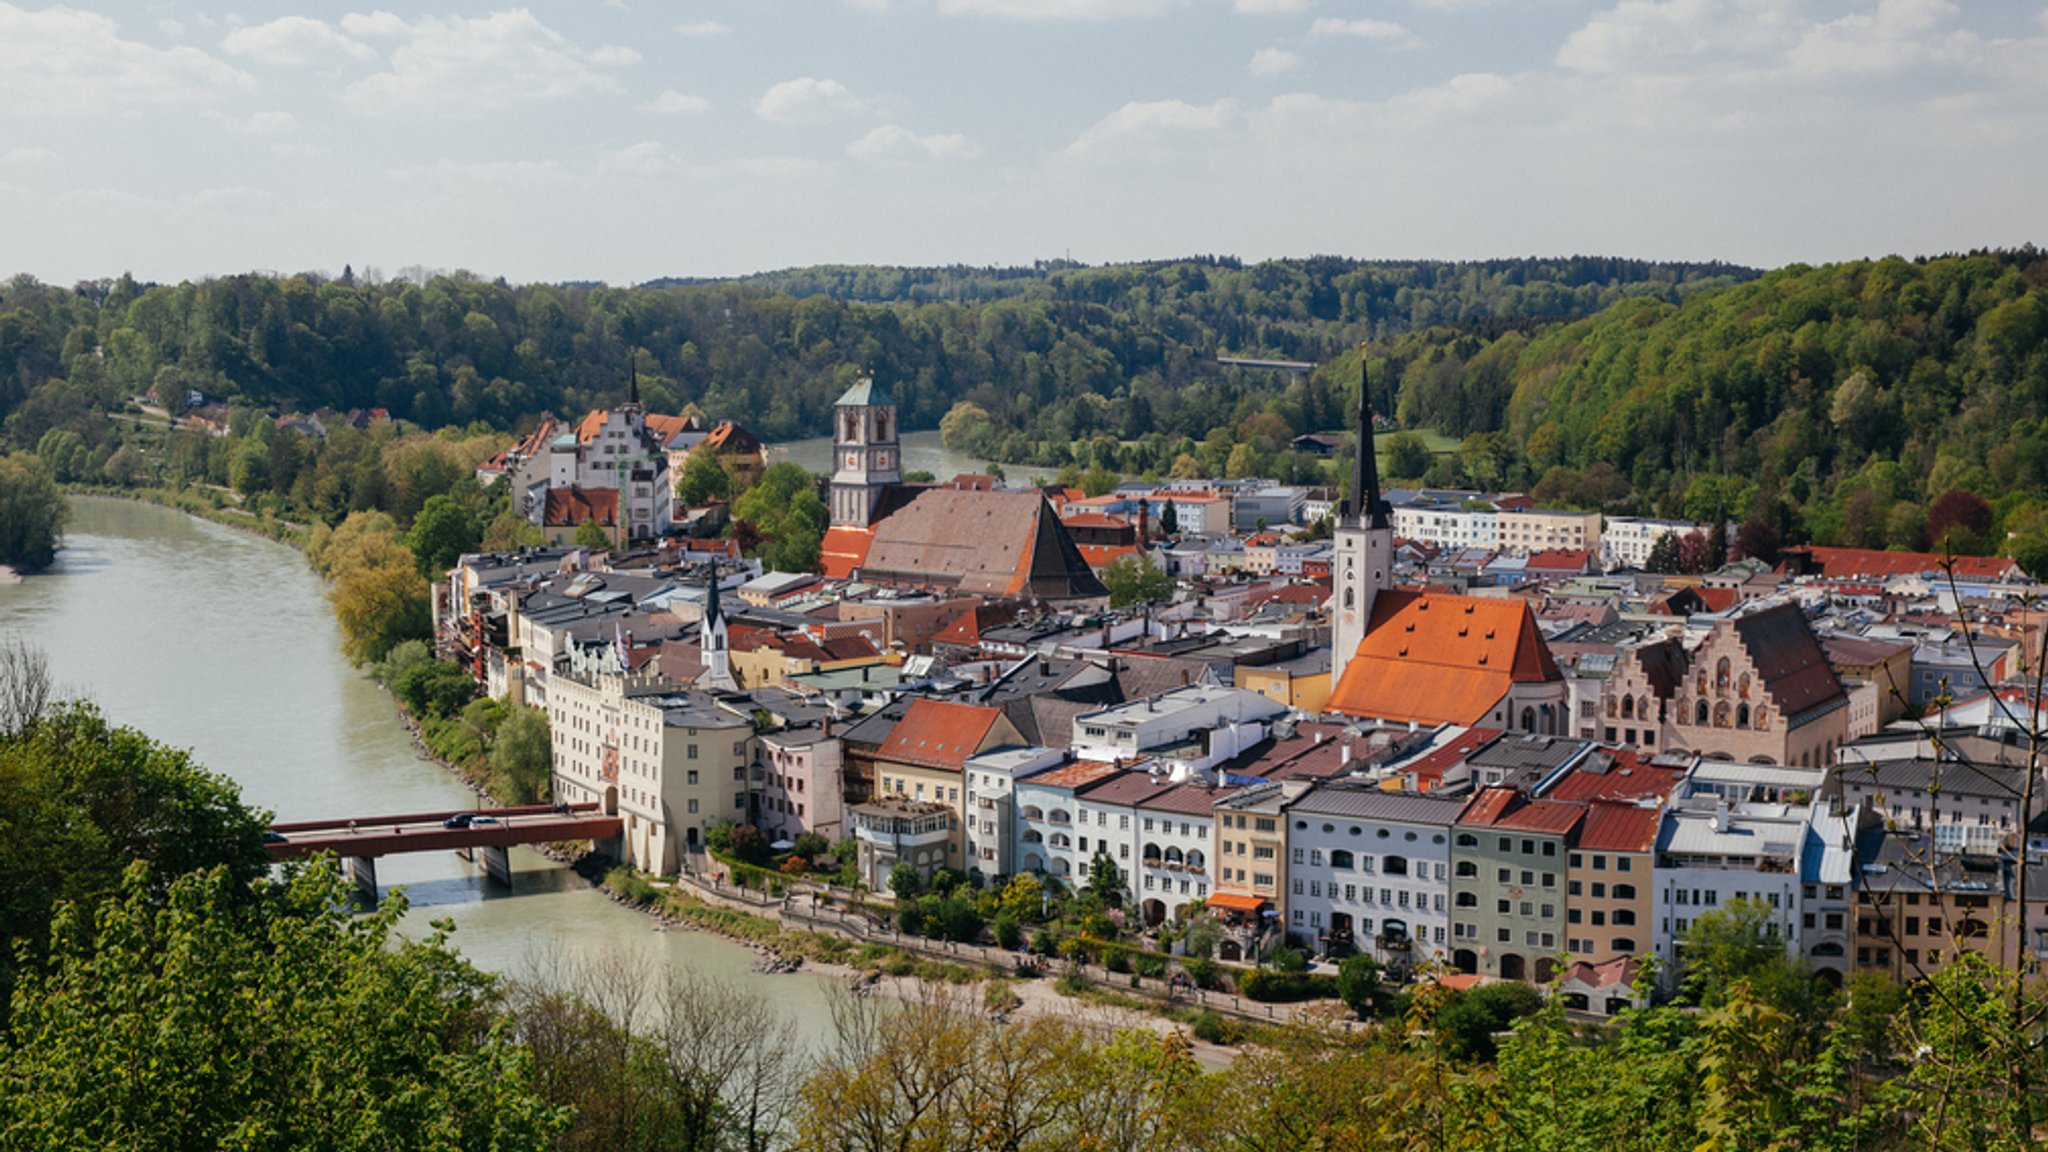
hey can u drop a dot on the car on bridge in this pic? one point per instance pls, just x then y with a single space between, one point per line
484 821
461 820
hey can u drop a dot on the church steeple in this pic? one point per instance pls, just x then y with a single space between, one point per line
712 637
1366 505
633 380
865 449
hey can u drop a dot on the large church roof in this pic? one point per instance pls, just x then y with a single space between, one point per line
994 543
1441 659
865 393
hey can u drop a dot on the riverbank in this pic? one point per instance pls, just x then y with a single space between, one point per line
203 503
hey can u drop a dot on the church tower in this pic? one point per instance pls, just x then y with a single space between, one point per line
864 452
712 640
1364 563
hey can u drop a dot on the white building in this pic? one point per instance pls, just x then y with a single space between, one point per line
1626 541
670 762
1050 840
991 821
1711 853
1201 724
1370 871
1448 526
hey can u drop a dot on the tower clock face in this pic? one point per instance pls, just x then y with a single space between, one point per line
853 459
882 461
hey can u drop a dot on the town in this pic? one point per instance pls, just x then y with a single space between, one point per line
1468 736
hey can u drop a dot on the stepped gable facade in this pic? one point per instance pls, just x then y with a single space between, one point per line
966 538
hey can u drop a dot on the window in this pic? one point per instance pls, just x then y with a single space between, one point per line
1571 888
1624 891
1624 918
693 776
1395 866
1467 870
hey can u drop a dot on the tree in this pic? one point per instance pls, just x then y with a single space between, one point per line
521 757
1407 456
510 531
1106 880
905 882
378 605
82 799
784 508
1169 520
1358 983
1960 522
1738 943
1692 553
705 478
1136 580
32 514
1663 556
591 534
210 1013
1468 1022
440 534
1756 540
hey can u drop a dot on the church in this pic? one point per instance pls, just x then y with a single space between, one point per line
1414 656
960 537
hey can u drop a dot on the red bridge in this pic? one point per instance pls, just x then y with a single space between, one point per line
487 832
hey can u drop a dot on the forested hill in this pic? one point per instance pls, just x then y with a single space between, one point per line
1044 349
1833 402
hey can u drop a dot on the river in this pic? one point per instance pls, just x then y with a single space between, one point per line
221 642
921 452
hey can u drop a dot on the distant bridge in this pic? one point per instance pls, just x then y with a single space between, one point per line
361 840
1280 365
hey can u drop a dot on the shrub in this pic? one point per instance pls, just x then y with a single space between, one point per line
1217 1028
1290 960
1206 973
1009 933
1150 964
1116 957
998 996
910 920
1269 985
1071 983
1043 943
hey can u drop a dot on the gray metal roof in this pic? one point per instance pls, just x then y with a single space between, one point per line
1369 802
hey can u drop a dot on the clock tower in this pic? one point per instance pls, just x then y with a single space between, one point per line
865 453
1364 560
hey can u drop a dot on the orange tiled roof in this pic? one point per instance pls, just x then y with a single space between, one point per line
938 733
1100 556
1441 659
843 550
1612 826
730 437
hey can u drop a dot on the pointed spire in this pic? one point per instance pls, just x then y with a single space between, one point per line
711 594
632 378
1367 507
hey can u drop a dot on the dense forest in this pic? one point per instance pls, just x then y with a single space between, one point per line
774 352
1833 403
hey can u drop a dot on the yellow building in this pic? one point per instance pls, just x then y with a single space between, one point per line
1302 684
925 754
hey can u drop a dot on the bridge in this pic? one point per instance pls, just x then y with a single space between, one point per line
361 840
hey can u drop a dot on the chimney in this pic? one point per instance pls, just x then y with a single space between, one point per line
1344 754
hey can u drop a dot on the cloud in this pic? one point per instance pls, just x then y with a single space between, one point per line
468 67
1642 35
1382 31
1056 9
295 42
674 103
452 175
258 123
1272 62
807 100
24 157
1271 7
701 28
61 61
1140 122
894 143
647 158
1897 34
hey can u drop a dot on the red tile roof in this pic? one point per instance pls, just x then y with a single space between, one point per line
730 437
1613 826
1842 563
1574 560
1615 774
1429 769
1439 659
939 734
568 507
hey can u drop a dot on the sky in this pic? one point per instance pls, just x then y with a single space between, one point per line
633 139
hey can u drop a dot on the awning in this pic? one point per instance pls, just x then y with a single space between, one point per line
1236 903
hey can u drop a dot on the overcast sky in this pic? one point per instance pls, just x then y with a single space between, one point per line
624 141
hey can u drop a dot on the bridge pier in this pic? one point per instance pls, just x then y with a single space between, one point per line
497 863
362 872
